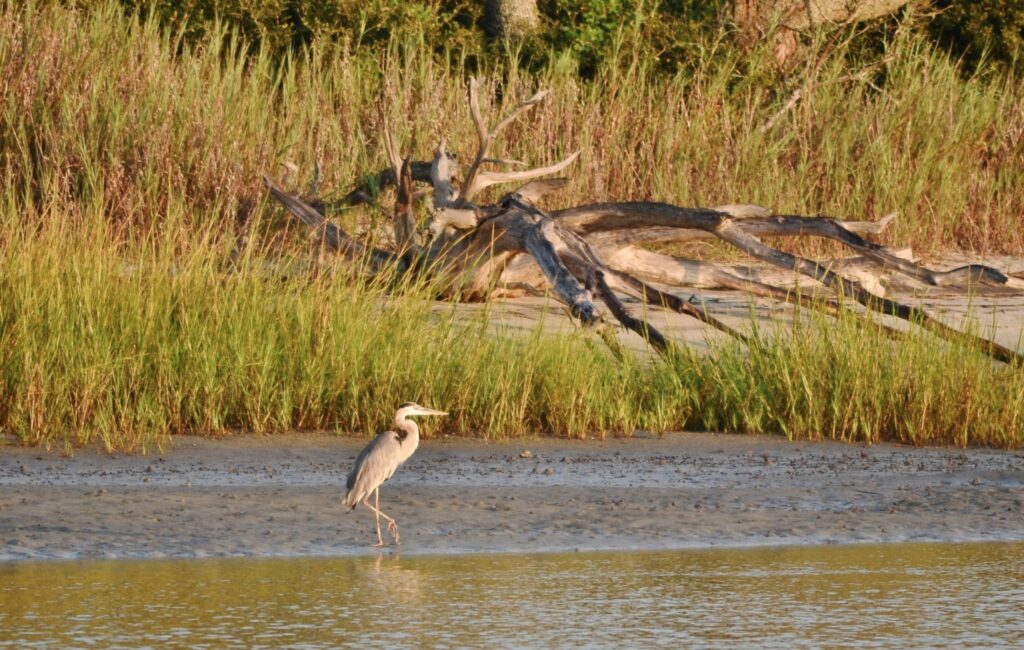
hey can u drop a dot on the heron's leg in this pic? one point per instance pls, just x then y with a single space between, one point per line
366 502
392 526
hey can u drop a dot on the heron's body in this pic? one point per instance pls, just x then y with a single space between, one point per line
378 461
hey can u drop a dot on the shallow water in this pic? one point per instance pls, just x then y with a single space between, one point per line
920 595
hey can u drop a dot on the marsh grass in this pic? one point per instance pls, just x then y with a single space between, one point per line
835 379
114 346
136 300
122 351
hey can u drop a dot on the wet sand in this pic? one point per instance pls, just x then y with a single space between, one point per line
281 496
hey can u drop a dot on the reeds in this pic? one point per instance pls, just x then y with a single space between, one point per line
99 108
100 347
143 292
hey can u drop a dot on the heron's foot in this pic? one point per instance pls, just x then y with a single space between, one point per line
380 543
393 529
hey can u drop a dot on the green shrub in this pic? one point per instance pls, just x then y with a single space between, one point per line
982 30
661 35
283 24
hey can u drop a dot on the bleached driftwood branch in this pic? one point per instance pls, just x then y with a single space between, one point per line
589 254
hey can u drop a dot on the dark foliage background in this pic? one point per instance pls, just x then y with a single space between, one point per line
664 35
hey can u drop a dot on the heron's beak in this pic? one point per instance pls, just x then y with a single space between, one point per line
433 412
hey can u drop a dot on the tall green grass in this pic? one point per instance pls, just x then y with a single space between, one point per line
135 238
122 348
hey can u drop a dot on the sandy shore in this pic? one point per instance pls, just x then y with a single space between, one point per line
265 496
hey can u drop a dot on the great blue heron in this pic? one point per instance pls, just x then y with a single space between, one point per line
379 460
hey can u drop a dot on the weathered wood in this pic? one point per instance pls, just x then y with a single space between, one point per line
470 249
606 233
478 179
660 219
407 237
636 287
332 236
655 296
511 19
539 242
766 281
534 191
643 328
831 229
442 175
753 246
369 187
639 216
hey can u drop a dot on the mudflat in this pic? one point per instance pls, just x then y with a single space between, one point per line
281 496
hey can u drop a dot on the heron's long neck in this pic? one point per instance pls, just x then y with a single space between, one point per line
412 432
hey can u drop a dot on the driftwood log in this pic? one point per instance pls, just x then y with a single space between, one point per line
590 254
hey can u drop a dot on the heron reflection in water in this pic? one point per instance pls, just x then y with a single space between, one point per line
378 461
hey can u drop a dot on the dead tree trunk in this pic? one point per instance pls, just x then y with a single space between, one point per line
511 18
588 254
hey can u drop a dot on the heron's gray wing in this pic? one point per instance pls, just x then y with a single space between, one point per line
361 458
375 463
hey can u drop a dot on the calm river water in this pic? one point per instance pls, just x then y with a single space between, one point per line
935 595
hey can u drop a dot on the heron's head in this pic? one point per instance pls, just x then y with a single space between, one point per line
412 408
